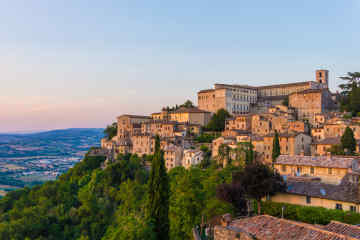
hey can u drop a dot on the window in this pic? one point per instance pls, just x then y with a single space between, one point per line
330 171
283 168
338 206
312 170
352 208
308 199
298 169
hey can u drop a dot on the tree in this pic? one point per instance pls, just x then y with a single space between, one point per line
233 193
188 104
276 147
348 141
158 202
259 180
285 102
111 131
217 122
336 149
350 94
249 154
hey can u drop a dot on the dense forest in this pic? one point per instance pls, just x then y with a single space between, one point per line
89 202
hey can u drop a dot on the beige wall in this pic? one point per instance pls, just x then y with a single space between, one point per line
315 202
331 176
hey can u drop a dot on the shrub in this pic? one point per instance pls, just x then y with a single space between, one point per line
312 215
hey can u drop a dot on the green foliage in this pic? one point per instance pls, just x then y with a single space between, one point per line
193 196
93 203
158 202
187 104
312 215
259 180
350 94
217 122
207 137
336 150
348 141
206 162
276 147
111 131
285 102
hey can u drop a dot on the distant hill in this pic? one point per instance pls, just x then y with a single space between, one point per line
50 143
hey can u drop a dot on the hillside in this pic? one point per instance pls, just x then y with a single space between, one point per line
88 202
28 159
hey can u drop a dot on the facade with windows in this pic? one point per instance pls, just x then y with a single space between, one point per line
324 181
239 99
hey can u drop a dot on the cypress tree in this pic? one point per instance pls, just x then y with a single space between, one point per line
276 147
158 202
348 141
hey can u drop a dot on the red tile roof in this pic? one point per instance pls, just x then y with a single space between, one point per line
266 227
342 228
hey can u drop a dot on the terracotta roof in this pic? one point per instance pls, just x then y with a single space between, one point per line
317 161
266 227
257 138
190 110
308 91
327 141
134 116
221 86
206 90
345 191
286 85
342 228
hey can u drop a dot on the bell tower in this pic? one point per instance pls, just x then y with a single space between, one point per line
322 76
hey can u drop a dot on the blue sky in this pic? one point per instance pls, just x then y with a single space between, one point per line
82 63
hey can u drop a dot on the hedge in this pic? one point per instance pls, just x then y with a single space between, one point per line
312 215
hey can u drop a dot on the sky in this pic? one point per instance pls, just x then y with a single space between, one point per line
80 63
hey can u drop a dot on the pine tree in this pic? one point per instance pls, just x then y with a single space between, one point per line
158 202
348 141
276 147
249 154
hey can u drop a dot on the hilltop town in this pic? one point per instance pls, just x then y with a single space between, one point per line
303 117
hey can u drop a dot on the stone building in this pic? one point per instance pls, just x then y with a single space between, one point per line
130 124
311 102
325 181
173 155
142 144
191 115
290 144
236 99
192 157
239 99
241 122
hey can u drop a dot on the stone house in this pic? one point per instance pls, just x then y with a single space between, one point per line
330 169
260 125
192 157
130 124
191 115
241 122
143 144
173 155
321 147
219 141
325 181
310 103
290 144
318 133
